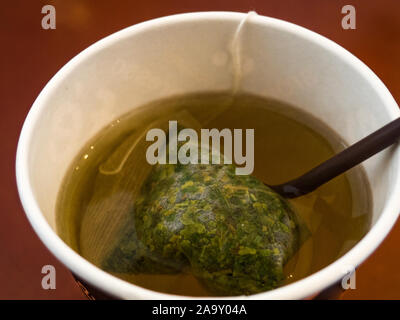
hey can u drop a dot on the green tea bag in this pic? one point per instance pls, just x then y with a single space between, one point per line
232 232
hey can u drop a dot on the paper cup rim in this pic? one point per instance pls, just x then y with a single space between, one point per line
303 288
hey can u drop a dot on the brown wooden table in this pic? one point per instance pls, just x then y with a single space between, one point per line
30 56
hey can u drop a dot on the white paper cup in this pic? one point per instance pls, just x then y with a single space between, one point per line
190 53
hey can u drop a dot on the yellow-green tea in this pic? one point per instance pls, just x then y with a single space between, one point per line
287 142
